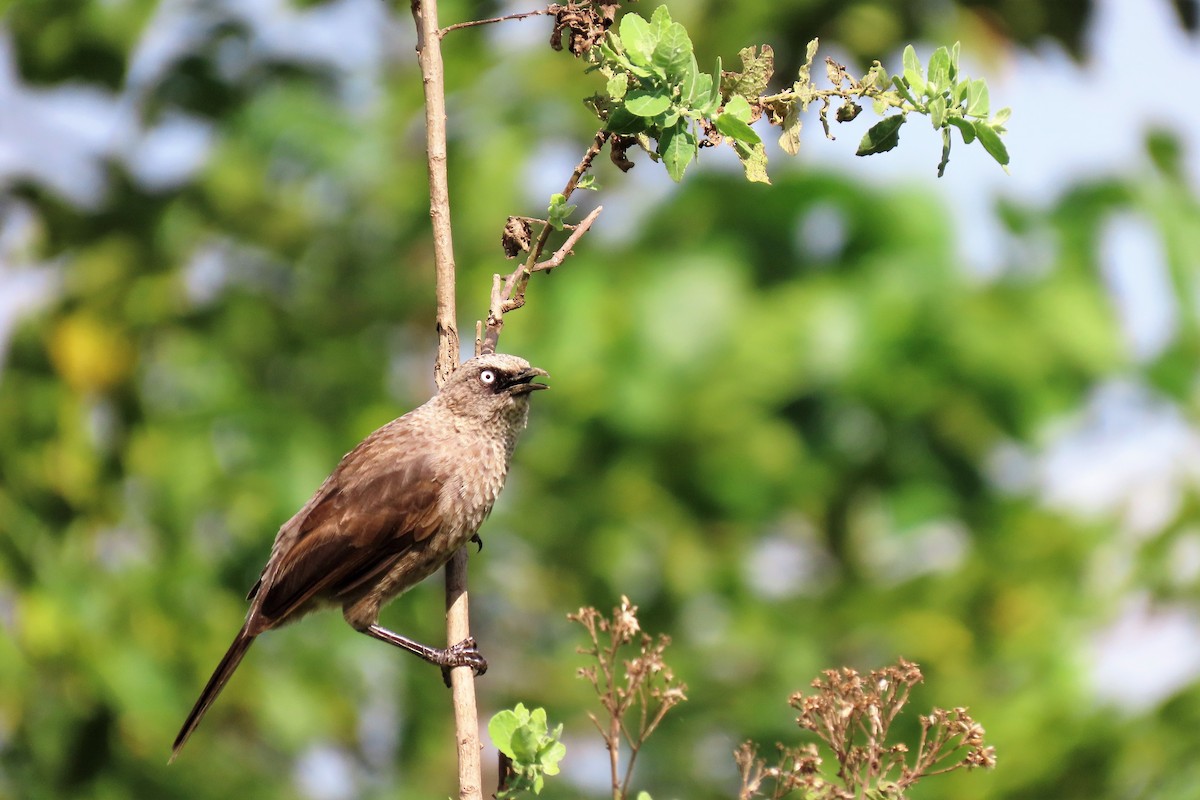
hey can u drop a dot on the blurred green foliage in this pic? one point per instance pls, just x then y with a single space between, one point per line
769 446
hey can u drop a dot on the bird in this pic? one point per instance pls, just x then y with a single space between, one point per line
393 511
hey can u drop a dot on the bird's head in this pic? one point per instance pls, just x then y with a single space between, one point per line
493 386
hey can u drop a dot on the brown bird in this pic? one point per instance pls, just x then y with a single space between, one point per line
394 510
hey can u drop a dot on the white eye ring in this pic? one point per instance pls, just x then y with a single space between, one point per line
487 377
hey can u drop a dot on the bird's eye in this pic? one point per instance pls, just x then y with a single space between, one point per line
487 377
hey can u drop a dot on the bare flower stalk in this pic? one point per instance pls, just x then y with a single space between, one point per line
852 715
635 694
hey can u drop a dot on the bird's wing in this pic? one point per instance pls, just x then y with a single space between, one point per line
351 535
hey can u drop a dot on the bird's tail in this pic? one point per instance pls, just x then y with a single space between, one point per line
233 657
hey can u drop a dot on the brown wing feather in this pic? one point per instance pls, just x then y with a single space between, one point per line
352 536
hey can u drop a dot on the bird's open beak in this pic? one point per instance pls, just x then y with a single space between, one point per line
523 383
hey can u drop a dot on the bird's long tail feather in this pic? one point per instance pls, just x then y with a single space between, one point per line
233 657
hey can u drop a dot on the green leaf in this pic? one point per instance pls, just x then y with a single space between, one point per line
937 112
992 143
754 161
912 71
882 136
673 53
525 745
557 214
954 51
646 103
977 98
1001 117
902 87
500 730
715 99
876 78
622 123
739 108
677 147
689 78
551 755
939 71
660 20
960 92
965 127
734 128
637 39
617 86
702 99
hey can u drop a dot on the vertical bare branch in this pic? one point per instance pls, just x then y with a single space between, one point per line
429 56
466 718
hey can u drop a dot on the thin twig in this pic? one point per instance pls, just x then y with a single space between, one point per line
541 12
561 253
508 294
429 55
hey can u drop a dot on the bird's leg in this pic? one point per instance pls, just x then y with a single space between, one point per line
462 654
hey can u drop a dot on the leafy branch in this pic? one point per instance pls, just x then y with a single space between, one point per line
656 95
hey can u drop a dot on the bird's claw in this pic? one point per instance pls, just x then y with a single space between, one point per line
478 541
462 654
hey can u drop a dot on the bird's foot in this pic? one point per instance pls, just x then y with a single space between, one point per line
463 654
478 541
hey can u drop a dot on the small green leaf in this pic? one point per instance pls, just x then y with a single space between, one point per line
734 128
882 136
660 20
525 745
738 107
937 112
977 98
500 730
715 100
587 182
673 53
645 103
556 215
960 92
637 39
992 142
689 77
623 123
617 86
912 71
1001 117
876 78
754 161
939 71
902 87
954 51
965 127
677 147
702 96
644 796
